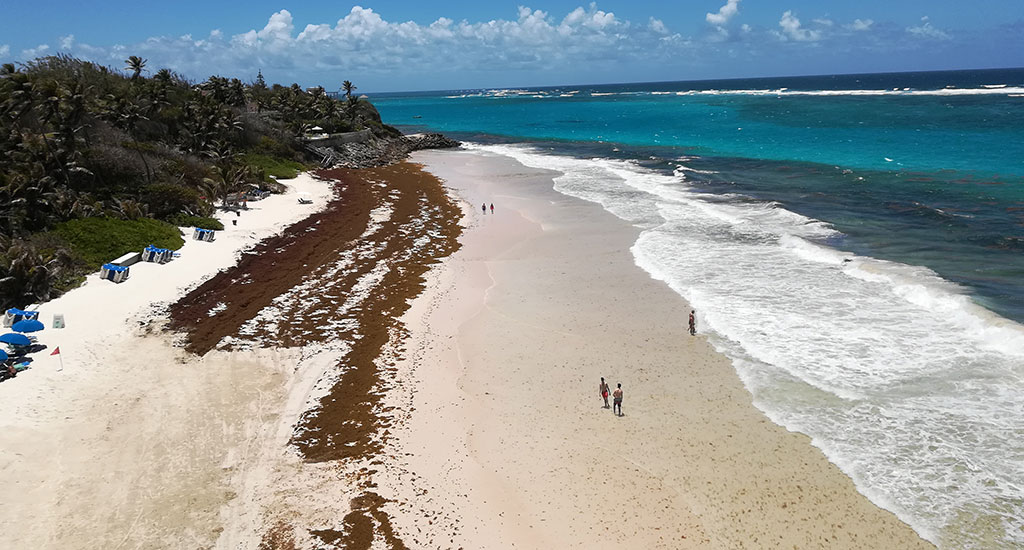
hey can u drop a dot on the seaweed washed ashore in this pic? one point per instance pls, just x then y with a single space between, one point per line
342 277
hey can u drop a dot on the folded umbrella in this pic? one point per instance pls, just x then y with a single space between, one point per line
15 339
28 325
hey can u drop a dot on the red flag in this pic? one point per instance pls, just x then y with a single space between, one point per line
56 351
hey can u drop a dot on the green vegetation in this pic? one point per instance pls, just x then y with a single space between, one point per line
280 168
84 146
96 241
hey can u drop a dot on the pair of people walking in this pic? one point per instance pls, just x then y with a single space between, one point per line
616 397
484 207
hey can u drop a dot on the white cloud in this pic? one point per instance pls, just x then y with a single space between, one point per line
926 30
745 27
860 24
824 22
277 32
67 42
362 42
725 13
657 26
4 49
592 18
38 51
792 29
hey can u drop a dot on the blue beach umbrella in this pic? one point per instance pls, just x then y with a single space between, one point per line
28 325
15 339
3 355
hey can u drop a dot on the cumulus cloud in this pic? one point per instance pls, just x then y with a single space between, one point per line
38 51
593 19
793 30
724 14
860 24
363 42
657 26
528 46
926 30
277 32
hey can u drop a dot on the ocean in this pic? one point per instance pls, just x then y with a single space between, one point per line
854 243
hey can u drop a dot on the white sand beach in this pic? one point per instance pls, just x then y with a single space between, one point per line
508 433
500 438
127 446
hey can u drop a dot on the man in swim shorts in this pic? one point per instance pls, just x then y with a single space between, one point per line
603 391
617 399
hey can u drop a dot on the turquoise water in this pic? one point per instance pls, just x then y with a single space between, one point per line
855 244
922 168
973 129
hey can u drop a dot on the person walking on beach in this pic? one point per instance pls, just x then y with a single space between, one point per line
603 390
492 208
693 324
484 207
617 399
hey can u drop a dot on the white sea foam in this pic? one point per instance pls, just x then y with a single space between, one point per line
684 168
895 91
987 89
903 381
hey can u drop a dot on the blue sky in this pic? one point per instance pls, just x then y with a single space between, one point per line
417 45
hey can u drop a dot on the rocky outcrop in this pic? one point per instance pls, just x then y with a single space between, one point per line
430 141
377 151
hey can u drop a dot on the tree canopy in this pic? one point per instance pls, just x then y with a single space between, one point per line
80 140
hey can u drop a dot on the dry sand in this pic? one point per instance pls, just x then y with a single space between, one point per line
134 443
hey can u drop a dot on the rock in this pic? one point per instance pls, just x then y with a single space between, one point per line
378 151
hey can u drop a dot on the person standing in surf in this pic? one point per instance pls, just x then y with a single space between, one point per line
693 323
617 399
603 390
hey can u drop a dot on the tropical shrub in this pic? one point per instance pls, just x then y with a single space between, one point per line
184 220
278 167
168 199
96 241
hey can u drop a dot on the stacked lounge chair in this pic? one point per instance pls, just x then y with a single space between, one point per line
115 273
204 235
159 255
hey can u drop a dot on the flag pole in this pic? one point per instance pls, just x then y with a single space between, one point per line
56 352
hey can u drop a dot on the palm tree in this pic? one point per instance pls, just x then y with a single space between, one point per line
130 114
30 274
352 108
135 64
348 87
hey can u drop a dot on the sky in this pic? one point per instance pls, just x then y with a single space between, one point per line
406 45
